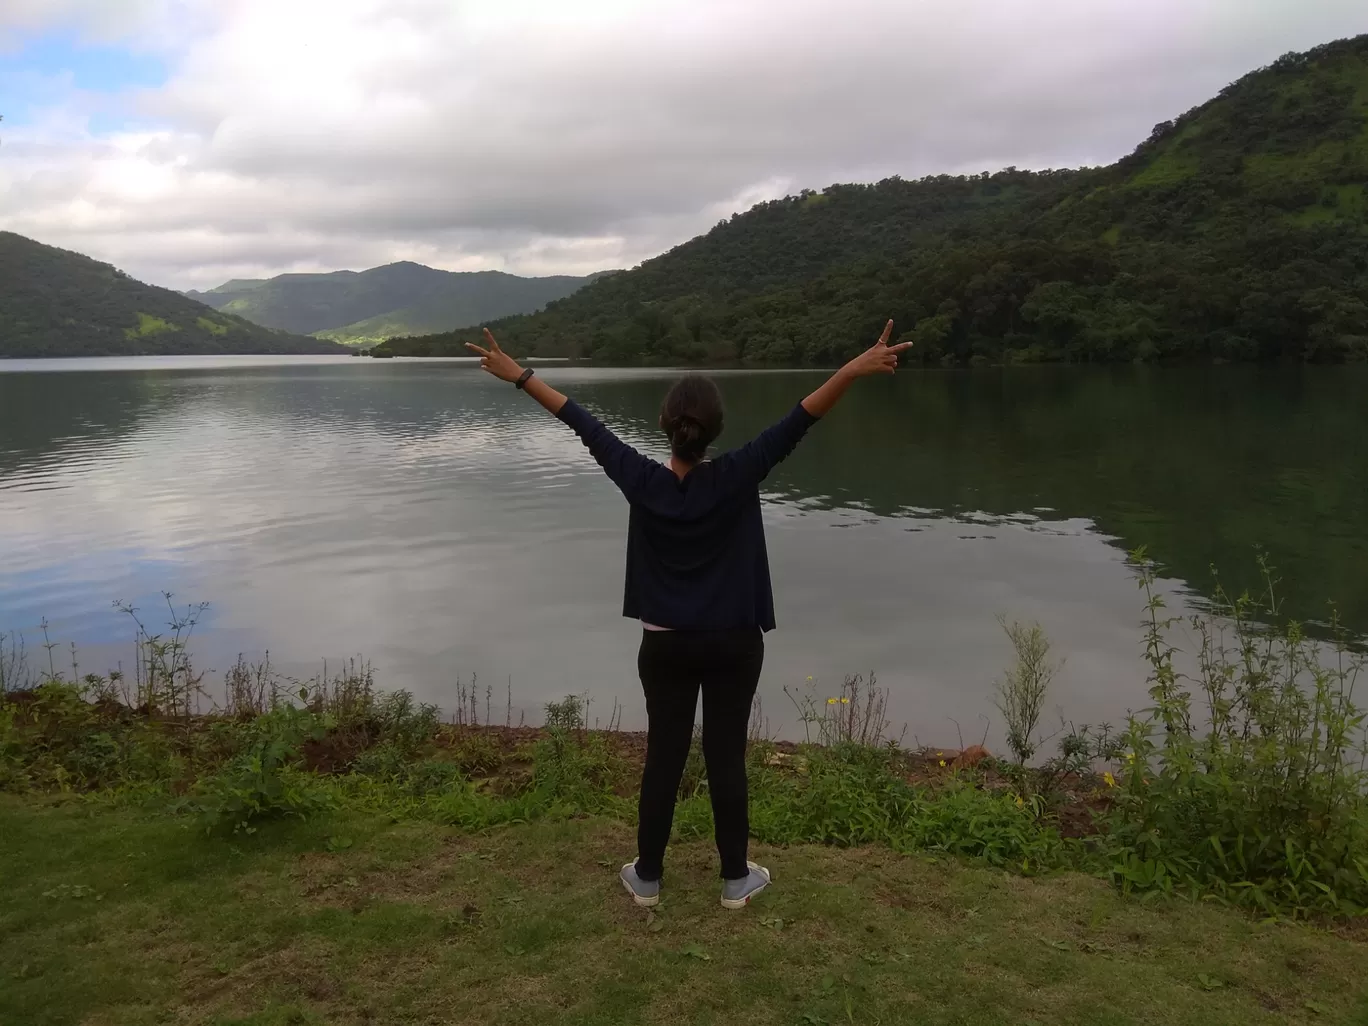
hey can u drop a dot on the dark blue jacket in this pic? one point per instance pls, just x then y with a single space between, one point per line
696 555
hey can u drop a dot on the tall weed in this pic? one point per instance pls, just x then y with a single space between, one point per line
15 674
165 681
1021 693
856 714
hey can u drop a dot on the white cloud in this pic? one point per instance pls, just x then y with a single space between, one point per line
545 137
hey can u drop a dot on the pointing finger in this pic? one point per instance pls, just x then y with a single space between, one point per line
493 345
900 347
474 347
888 330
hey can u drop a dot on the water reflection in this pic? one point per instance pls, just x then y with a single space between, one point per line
423 514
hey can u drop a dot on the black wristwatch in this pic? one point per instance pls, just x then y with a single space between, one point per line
521 383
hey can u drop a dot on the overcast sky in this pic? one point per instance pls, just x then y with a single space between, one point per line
191 141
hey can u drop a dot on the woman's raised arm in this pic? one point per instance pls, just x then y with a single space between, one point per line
769 448
625 467
880 358
505 368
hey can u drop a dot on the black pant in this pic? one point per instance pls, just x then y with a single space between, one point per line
673 665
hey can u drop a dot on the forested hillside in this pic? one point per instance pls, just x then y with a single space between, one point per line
1239 231
397 299
57 303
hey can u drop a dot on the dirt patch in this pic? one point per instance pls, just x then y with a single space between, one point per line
910 901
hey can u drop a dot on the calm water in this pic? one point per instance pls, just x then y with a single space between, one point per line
442 525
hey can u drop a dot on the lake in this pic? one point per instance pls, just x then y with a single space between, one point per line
442 525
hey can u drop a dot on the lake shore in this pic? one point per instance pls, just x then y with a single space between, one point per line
1244 785
325 851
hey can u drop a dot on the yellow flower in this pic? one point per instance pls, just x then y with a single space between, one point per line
942 762
809 678
1020 801
845 701
1111 780
831 701
1130 756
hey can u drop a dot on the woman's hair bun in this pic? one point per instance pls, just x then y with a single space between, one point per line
691 417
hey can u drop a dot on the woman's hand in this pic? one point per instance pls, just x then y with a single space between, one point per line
499 363
505 368
880 358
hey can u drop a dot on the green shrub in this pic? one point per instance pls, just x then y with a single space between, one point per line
565 715
568 766
402 729
13 761
1080 750
850 795
262 782
49 735
1256 795
432 777
384 761
403 723
476 752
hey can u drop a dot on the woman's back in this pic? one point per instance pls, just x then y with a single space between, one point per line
696 556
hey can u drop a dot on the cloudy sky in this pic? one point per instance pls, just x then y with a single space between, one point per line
191 141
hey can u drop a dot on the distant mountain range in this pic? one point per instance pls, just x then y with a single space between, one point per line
394 300
1237 231
57 303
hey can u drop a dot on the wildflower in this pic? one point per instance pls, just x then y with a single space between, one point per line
1130 756
831 701
809 678
845 701
942 762
1111 780
1020 801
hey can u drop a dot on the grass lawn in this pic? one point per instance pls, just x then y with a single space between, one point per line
113 917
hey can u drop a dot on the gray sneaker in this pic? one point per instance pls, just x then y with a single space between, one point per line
738 893
645 893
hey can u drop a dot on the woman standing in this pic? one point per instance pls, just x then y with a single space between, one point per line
698 580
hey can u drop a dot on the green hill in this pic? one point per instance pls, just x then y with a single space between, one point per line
57 303
1237 232
397 299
